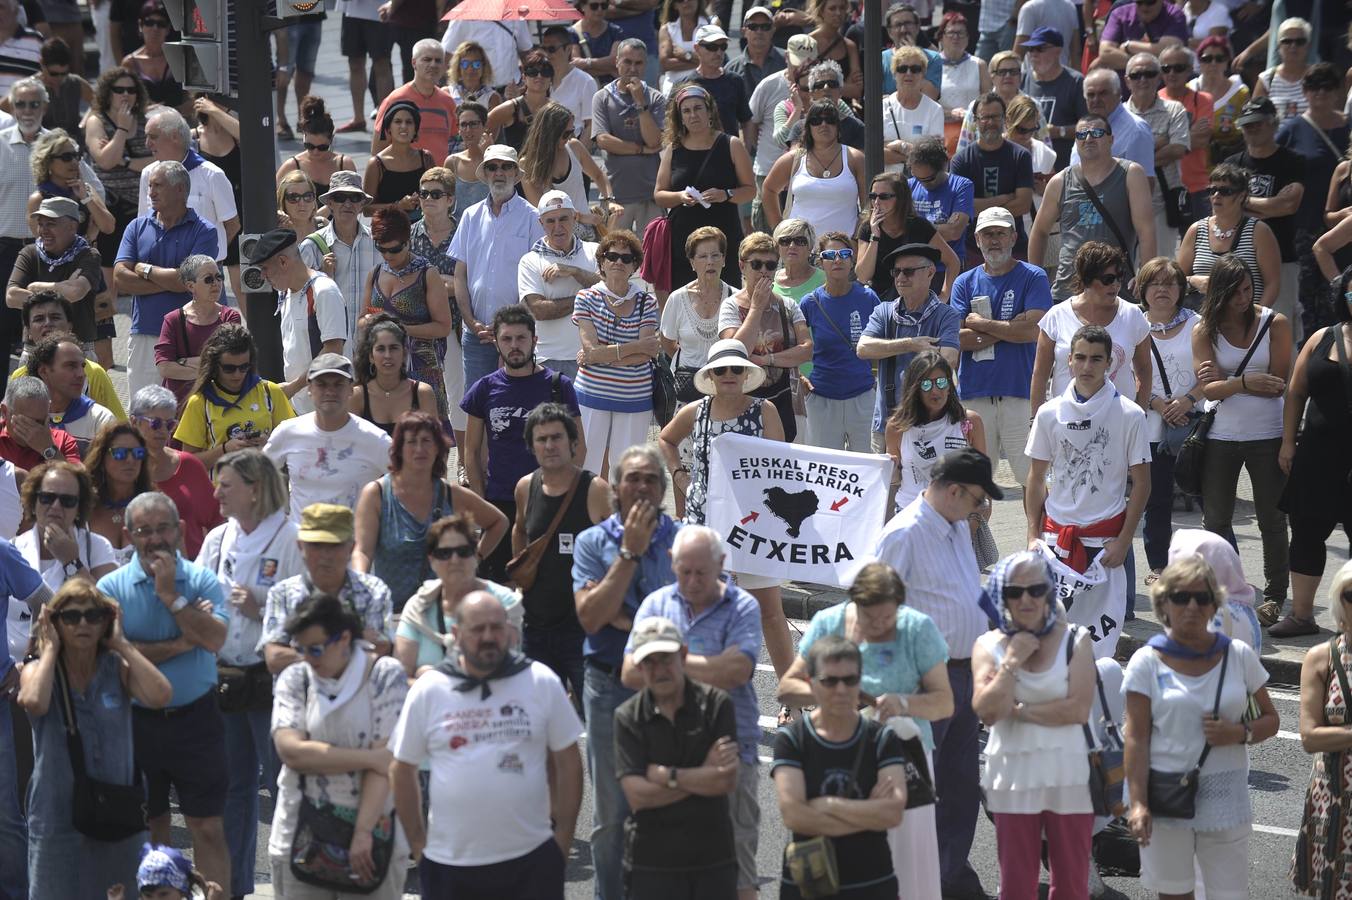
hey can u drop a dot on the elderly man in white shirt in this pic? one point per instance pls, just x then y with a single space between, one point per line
548 278
210 194
929 543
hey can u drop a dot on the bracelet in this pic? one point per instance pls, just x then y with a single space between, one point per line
617 353
1191 398
1242 383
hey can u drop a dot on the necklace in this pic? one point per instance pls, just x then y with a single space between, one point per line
390 393
117 506
1220 235
611 300
826 166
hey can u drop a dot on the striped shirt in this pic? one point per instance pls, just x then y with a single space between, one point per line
1204 257
935 559
625 389
19 57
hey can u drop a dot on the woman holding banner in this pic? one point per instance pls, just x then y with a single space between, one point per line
726 379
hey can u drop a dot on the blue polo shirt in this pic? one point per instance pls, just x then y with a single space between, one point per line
734 621
593 553
1010 373
940 320
147 241
146 619
18 580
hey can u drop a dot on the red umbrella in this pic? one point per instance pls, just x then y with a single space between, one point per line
512 10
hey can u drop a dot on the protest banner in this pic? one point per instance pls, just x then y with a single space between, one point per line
795 512
1095 599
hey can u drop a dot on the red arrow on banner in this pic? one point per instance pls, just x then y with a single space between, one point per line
835 507
751 518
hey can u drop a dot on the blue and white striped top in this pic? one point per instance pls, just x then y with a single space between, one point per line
626 389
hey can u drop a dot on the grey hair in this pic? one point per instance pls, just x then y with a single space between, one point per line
823 68
1143 57
25 387
170 122
31 83
795 227
429 44
631 44
151 397
174 173
898 8
1106 75
191 267
1298 23
649 454
1342 579
148 501
1184 49
699 534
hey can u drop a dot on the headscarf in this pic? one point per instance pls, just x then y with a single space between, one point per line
993 600
163 867
1219 555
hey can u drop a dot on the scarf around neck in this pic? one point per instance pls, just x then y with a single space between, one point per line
512 663
994 595
76 410
1183 315
1073 410
52 262
416 263
213 396
331 693
1165 644
910 319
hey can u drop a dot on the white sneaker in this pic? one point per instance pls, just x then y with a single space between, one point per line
1096 886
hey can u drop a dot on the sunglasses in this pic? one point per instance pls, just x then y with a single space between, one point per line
552 48
814 121
1015 591
156 423
1201 598
317 148
235 368
908 271
344 198
1214 59
464 551
929 384
881 195
154 23
760 265
1294 42
475 64
539 72
1143 74
1221 190
845 253
68 501
827 85
68 156
392 250
314 651
1347 596
94 615
28 104
1025 129
910 70
1108 278
720 47
470 123
124 89
121 453
758 26
797 240
1087 133
307 197
720 371
1175 68
1006 73
626 258
431 194
500 167
830 681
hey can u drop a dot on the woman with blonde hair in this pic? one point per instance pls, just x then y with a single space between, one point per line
469 76
553 159
908 114
1023 121
1005 70
55 161
298 204
832 18
1282 83
797 275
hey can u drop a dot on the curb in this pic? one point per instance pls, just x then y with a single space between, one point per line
802 601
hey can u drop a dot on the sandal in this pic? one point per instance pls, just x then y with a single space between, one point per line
1268 613
1153 577
1293 627
785 716
352 127
284 132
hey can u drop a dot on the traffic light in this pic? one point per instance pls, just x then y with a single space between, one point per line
200 60
288 9
251 276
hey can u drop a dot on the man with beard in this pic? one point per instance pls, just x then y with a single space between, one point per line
499 737
1000 171
496 456
492 237
174 612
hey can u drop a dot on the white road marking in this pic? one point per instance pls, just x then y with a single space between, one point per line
1273 829
763 667
1289 735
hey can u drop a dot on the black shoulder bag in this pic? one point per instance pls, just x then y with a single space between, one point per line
1095 199
665 401
1173 795
1191 458
102 811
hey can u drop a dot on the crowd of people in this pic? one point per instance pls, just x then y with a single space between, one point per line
1102 235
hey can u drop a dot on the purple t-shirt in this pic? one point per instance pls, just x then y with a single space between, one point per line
503 402
1125 24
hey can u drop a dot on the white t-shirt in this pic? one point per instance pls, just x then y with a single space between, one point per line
1089 465
486 755
1176 352
328 466
332 316
210 195
772 90
256 561
84 428
94 551
558 338
1127 329
502 42
1216 16
575 92
11 509
900 123
1044 163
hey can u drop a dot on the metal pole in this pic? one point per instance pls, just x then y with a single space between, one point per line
873 87
259 161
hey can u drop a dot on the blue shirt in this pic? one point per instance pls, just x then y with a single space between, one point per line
1003 170
18 580
1132 139
942 321
594 551
490 246
734 621
146 619
956 194
837 371
895 667
146 241
1022 288
934 72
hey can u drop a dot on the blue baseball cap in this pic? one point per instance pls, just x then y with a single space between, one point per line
1044 36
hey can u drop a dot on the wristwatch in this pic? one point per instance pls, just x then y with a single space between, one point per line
49 453
628 555
72 568
179 605
671 778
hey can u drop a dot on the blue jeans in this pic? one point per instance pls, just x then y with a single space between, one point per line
601 696
957 780
13 828
480 359
560 648
248 746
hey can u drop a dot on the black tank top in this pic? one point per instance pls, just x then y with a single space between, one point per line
387 427
549 602
395 186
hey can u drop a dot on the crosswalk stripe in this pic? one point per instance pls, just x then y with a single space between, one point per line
1273 829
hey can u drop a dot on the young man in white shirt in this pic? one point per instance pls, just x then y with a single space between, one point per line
1092 439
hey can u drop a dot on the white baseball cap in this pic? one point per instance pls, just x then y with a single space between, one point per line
555 200
708 34
994 217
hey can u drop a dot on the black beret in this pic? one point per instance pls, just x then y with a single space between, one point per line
925 250
270 244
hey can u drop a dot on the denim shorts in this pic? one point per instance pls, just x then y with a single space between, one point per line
304 38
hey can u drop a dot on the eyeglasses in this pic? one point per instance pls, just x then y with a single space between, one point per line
760 265
94 615
830 681
154 23
145 531
758 26
314 651
881 195
720 47
814 121
910 70
1143 73
1175 68
431 194
626 258
156 423
844 253
1006 73
1221 190
539 72
28 104
121 453
1201 598
1214 58
1015 591
235 368
344 198
1108 278
829 84
500 167
68 501
1087 133
929 384
307 197
463 551
991 118
1294 42
124 89
68 156
796 240
470 123
908 271
474 64
317 148
392 250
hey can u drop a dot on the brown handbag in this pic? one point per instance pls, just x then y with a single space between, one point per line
521 569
